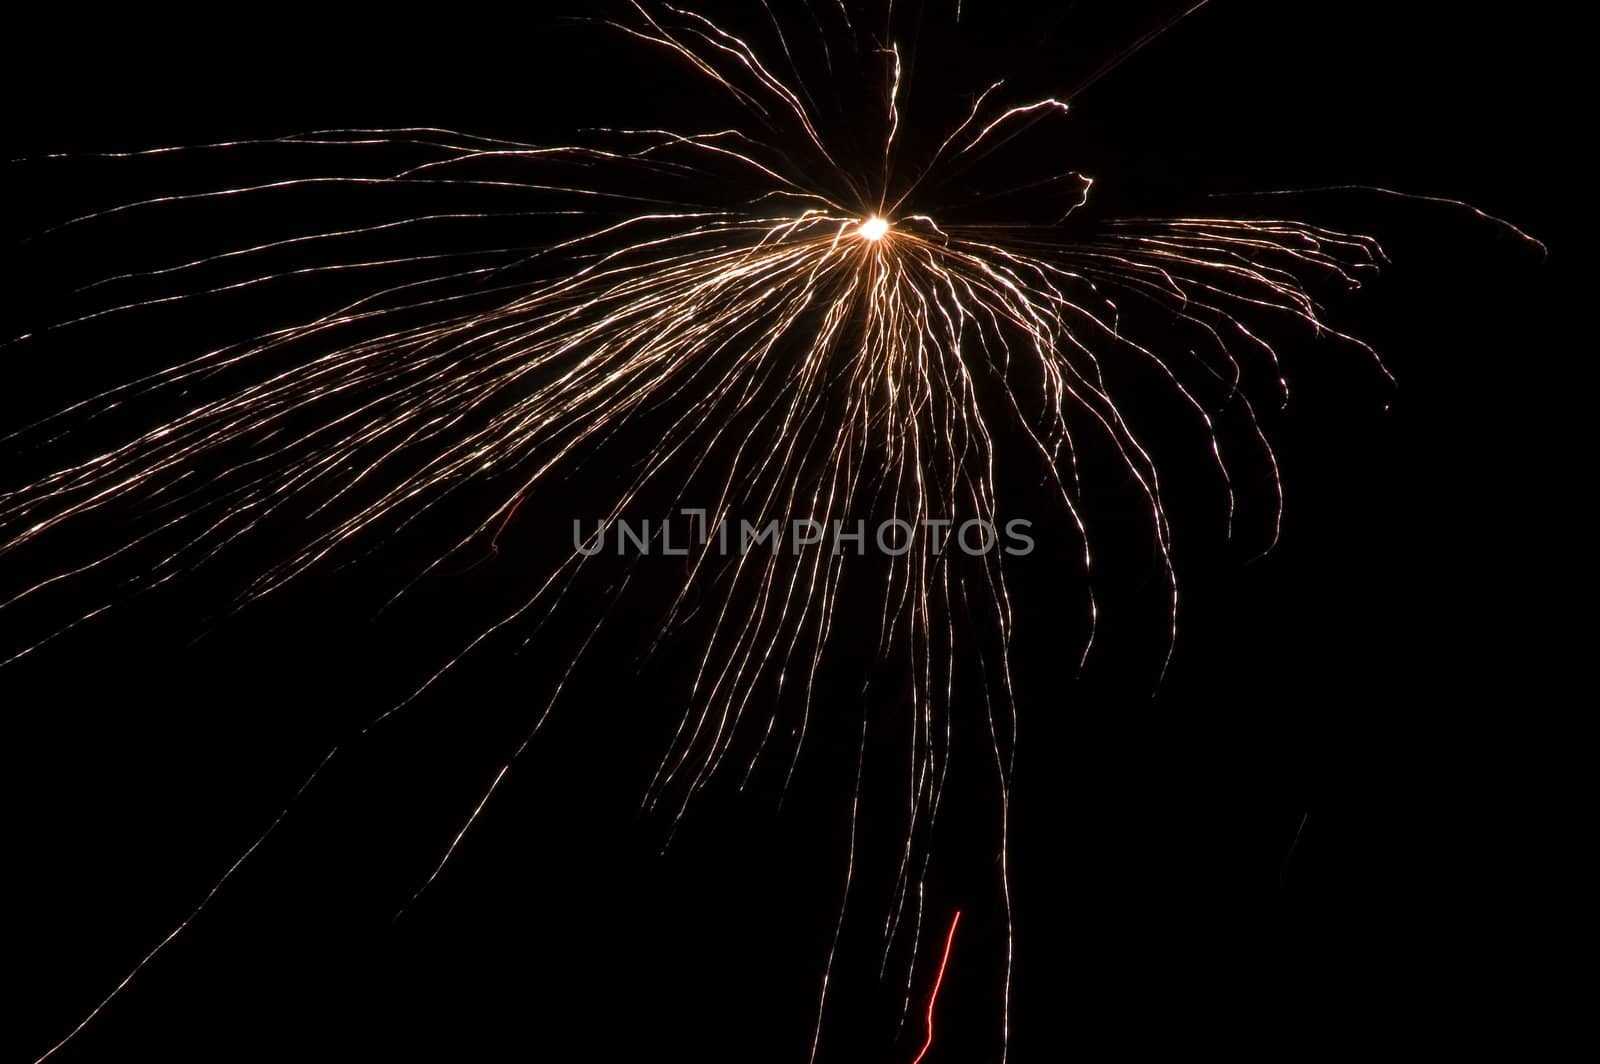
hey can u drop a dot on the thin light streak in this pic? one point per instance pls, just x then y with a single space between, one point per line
844 899
183 925
938 981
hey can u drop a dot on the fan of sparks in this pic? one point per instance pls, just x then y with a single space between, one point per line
843 347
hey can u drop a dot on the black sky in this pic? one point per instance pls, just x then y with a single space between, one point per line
1357 689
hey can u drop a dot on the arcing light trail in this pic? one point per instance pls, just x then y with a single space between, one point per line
834 340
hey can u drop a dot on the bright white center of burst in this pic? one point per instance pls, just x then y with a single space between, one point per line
873 228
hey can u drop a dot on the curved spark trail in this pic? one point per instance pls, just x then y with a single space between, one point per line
938 981
808 334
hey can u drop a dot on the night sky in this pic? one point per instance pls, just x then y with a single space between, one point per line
1292 846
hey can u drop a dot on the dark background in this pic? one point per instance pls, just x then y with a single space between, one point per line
1300 842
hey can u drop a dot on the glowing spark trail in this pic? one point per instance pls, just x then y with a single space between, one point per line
938 981
800 338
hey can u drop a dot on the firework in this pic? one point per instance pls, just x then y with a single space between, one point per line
824 347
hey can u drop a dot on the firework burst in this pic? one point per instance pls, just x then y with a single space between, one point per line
808 336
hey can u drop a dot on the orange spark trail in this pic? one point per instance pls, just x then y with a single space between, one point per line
933 998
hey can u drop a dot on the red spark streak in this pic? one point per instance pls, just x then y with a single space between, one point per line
494 544
933 998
